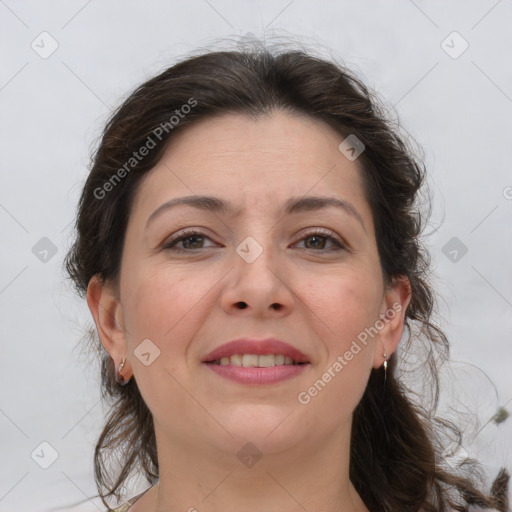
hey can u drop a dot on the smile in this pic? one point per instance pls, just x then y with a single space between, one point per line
252 369
256 361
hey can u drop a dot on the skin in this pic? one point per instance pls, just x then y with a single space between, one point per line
187 304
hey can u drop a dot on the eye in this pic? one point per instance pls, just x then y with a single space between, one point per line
190 237
319 238
193 237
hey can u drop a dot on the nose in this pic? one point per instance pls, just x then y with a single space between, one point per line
257 286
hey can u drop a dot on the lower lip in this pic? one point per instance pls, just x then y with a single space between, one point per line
269 375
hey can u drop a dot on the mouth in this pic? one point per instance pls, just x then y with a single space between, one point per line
257 369
256 361
256 353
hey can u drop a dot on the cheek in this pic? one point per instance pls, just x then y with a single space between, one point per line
340 379
349 306
155 302
168 306
159 306
348 303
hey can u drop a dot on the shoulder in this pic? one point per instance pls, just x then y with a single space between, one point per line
122 508
126 506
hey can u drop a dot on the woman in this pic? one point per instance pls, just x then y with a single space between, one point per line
248 244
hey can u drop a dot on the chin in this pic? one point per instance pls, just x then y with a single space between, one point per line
274 431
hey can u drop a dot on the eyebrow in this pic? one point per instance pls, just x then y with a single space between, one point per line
292 206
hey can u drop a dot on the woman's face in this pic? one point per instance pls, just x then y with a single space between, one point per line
316 293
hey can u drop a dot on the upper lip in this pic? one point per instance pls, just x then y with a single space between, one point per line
258 347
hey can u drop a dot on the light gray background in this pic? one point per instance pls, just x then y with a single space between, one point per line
52 110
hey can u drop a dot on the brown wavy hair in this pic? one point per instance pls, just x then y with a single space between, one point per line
397 445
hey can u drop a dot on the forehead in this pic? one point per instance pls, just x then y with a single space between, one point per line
291 137
253 163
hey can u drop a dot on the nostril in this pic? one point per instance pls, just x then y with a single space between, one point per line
241 305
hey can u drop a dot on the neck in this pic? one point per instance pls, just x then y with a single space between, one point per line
196 477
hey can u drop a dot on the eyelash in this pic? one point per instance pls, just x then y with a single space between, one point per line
170 245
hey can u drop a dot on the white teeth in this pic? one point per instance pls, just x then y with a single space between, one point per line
254 360
235 359
250 360
266 361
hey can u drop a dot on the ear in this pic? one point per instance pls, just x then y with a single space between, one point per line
392 317
106 309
